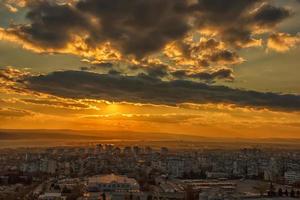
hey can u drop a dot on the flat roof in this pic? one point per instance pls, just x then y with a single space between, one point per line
111 178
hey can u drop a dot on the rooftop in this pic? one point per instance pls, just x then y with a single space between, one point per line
111 178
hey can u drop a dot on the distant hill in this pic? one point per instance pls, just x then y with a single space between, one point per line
40 134
36 134
10 134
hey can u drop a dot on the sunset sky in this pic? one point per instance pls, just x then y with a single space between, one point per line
220 68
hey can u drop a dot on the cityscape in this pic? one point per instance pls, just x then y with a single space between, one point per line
106 171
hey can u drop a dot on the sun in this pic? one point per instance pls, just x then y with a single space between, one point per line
113 108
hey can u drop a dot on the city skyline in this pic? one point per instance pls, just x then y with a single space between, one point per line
213 68
140 172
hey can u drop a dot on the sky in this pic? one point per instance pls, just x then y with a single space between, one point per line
215 68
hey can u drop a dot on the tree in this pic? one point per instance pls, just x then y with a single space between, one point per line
131 196
280 192
298 193
103 196
272 190
286 193
292 194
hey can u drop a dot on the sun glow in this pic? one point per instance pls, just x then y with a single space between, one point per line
112 108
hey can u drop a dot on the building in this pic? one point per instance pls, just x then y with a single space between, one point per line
110 185
52 196
167 189
292 177
175 167
112 182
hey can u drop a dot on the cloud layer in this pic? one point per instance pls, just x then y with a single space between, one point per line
146 89
198 39
140 28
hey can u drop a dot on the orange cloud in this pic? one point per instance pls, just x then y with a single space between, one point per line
282 42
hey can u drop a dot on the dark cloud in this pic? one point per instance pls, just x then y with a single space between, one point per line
84 68
97 65
209 44
236 21
228 18
225 74
157 71
103 64
224 56
114 72
225 11
153 70
207 52
209 77
140 28
160 71
270 15
52 25
144 89
137 27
